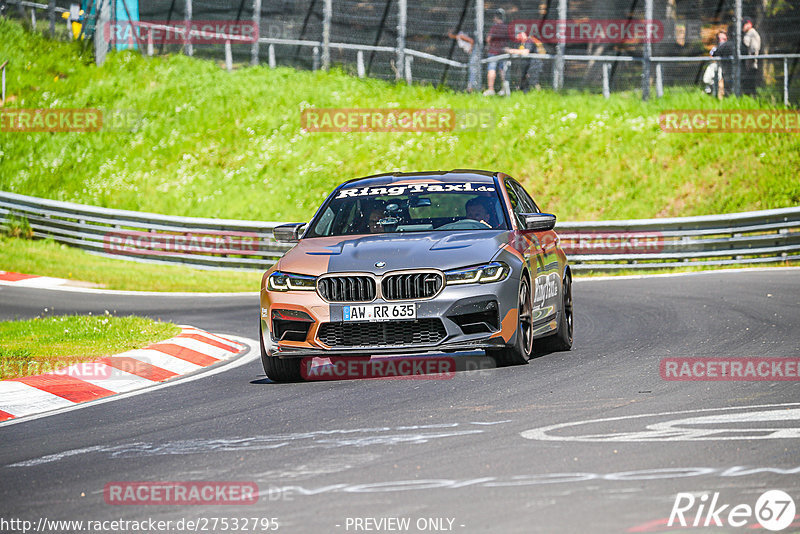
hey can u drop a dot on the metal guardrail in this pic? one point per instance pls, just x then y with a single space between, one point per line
204 243
770 236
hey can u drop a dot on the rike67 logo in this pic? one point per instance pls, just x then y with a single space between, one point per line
774 510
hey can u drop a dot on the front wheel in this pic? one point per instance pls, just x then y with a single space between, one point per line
520 352
277 369
562 339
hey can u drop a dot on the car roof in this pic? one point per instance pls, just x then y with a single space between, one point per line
456 175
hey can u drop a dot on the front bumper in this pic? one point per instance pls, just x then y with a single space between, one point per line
472 316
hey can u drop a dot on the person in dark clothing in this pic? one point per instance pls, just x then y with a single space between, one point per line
532 68
724 49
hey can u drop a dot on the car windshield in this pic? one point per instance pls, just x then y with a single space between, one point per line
411 207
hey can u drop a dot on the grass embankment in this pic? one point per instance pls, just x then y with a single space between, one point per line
47 344
47 258
219 144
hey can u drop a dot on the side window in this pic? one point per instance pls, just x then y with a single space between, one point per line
525 199
325 221
516 203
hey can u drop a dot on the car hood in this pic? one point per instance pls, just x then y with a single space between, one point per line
438 250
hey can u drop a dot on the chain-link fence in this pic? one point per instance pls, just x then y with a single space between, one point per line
608 46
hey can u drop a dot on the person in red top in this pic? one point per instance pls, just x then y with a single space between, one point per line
497 41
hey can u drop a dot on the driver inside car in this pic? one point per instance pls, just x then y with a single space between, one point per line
477 210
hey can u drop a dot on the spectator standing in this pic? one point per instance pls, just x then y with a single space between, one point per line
467 44
532 69
751 46
497 41
720 70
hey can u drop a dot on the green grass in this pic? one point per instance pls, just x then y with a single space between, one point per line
48 258
46 344
219 144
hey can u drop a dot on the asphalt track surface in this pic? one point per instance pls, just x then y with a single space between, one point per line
471 449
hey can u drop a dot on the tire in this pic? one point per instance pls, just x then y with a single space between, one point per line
562 339
520 352
277 369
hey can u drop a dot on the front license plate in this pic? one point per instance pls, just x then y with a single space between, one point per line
379 312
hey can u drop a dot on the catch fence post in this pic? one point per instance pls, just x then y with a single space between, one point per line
400 60
647 52
188 35
326 34
558 65
257 28
51 15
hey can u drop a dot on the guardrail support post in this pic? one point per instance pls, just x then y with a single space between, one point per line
606 82
33 19
402 14
326 34
150 43
271 54
786 82
257 27
659 81
360 64
315 58
409 62
3 93
228 56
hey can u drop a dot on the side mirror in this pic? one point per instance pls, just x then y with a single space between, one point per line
539 221
288 233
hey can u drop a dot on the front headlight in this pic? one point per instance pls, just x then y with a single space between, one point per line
482 274
279 281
